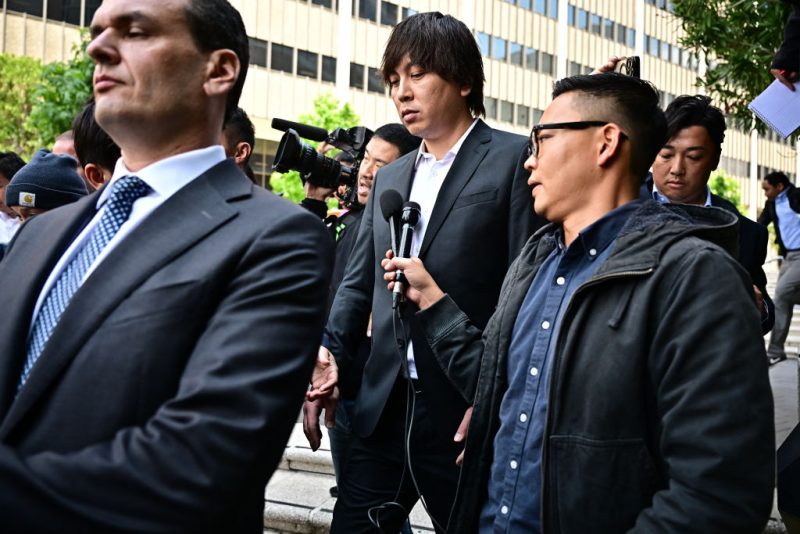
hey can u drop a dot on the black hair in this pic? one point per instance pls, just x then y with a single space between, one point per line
10 163
629 102
441 44
239 128
696 110
777 177
215 25
92 143
399 136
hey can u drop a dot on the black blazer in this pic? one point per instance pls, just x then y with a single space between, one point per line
167 392
753 241
482 217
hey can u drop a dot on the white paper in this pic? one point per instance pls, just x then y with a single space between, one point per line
778 107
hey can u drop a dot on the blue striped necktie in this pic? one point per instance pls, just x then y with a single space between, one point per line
124 193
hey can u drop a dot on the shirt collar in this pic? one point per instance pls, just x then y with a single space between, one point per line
451 154
169 175
781 196
658 197
594 239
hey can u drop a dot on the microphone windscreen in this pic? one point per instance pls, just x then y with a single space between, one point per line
303 130
411 213
391 203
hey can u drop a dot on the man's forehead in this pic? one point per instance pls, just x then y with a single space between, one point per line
111 11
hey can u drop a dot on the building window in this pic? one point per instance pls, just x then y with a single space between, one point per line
389 13
368 9
653 47
537 115
31 7
575 68
356 76
676 55
583 19
631 38
483 42
91 7
571 16
540 7
506 111
323 3
524 4
523 115
665 51
68 11
608 29
547 63
490 104
531 58
328 69
499 48
407 12
509 1
258 52
375 81
307 64
597 24
553 11
516 54
622 33
282 58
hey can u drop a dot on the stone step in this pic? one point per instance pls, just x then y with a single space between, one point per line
297 498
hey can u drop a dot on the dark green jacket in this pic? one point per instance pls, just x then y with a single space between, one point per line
660 411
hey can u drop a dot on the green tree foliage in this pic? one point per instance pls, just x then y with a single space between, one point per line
329 114
726 187
739 39
18 77
61 93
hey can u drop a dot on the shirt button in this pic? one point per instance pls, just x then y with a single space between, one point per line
546 325
504 510
534 371
523 417
560 281
513 464
592 252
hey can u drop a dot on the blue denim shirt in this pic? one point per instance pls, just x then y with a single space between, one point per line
514 498
789 222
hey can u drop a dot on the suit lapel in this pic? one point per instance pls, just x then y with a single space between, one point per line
191 214
27 268
472 152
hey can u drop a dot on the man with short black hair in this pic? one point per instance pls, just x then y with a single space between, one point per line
166 325
96 151
468 181
239 140
614 390
681 170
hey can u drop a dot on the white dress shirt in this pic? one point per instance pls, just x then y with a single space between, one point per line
429 175
165 177
8 227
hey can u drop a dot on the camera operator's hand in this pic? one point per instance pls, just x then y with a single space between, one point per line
609 65
312 410
317 193
423 290
787 78
324 147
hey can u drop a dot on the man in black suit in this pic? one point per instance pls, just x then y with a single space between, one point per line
695 132
475 216
165 326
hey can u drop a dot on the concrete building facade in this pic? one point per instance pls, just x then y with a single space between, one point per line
302 48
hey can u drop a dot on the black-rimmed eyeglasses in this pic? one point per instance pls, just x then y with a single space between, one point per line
533 140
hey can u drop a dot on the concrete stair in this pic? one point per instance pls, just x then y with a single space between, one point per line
298 497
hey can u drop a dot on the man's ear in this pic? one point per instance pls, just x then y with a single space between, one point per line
222 72
94 175
243 151
610 144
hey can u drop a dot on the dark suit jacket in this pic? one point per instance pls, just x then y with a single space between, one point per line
753 241
482 217
166 393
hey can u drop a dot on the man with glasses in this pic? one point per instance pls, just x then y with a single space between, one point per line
614 391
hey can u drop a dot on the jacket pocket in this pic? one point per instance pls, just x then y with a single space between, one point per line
475 198
163 299
598 485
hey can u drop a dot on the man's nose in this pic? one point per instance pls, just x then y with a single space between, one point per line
102 50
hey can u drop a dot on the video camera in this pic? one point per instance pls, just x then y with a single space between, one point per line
320 170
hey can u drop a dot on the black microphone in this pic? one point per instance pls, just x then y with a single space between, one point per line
410 217
391 206
303 130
